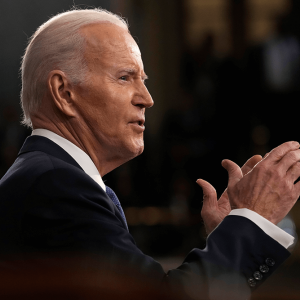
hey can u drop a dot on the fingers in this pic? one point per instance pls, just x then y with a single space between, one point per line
294 172
250 163
281 159
209 194
234 172
290 159
279 152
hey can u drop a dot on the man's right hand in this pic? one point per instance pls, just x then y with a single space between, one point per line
214 211
268 189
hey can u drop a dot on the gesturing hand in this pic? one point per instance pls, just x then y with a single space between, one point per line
214 211
269 188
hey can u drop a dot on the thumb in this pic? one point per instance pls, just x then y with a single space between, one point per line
209 194
234 172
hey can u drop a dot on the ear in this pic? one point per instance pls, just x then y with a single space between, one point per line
61 92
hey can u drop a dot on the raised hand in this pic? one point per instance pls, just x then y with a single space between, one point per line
269 188
214 211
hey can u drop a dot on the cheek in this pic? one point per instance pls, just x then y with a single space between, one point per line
105 107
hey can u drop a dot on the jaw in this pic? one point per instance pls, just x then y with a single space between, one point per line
119 154
131 150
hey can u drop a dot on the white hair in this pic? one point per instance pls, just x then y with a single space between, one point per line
57 44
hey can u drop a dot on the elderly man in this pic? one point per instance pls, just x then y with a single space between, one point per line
84 95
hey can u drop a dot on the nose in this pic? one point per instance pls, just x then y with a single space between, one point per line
142 98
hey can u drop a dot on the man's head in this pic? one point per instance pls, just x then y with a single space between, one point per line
96 96
57 44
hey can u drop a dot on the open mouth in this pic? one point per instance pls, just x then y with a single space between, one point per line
139 123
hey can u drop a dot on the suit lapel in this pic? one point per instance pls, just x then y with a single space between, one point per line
43 144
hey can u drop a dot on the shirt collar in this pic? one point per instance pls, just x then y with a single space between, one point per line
80 156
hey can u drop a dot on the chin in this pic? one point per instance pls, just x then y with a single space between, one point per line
131 149
137 149
141 150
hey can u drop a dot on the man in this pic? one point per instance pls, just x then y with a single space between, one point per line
84 95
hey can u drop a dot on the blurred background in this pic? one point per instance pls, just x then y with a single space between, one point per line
224 75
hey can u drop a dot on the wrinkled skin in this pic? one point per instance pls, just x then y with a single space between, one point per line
103 115
214 211
265 186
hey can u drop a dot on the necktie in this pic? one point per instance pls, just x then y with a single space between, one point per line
111 194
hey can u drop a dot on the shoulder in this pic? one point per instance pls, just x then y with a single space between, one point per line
31 166
38 175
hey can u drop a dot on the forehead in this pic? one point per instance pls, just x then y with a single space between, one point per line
107 41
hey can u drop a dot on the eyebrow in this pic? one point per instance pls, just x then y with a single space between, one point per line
134 72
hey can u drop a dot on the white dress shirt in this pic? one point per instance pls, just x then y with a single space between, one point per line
90 169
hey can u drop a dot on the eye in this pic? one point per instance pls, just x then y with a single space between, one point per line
124 78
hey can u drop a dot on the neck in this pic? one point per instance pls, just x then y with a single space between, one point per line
79 136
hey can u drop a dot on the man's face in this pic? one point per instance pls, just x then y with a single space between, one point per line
112 101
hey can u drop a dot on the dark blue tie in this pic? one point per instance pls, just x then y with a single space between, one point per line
111 194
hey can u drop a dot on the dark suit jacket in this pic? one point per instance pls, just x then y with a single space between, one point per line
48 205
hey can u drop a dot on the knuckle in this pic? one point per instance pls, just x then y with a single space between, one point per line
297 165
281 150
270 173
206 196
275 173
290 189
292 155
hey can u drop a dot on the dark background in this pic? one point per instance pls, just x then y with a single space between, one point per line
228 90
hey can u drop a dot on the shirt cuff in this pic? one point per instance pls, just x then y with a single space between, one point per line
268 227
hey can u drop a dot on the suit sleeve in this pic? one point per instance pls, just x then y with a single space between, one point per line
67 212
